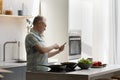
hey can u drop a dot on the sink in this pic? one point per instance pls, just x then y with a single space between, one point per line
20 61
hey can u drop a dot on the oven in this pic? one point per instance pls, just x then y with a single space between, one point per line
74 47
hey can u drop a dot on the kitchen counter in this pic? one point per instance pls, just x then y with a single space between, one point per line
13 71
89 74
11 64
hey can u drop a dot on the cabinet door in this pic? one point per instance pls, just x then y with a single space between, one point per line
19 73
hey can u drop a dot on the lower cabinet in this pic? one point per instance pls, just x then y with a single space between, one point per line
19 73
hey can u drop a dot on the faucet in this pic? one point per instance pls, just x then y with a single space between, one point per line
5 45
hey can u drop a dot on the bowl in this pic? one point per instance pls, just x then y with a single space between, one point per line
70 65
84 65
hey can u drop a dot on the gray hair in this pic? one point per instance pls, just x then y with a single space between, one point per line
38 19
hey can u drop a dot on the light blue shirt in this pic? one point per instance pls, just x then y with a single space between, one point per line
34 57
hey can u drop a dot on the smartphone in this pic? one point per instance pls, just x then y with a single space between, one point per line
64 44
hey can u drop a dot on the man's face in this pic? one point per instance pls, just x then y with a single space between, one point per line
41 26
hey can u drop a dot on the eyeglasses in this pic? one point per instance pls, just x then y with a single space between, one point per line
43 23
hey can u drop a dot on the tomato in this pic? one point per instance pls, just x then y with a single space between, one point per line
97 63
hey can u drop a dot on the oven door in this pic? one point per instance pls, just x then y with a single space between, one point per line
74 47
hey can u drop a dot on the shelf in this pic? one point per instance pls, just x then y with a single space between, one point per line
15 16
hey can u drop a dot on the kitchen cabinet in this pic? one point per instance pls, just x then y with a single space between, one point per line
19 73
1 76
13 71
4 71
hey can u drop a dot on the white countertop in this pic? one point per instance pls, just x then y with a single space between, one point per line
11 64
86 74
91 72
97 71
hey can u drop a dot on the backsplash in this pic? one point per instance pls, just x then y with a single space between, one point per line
14 30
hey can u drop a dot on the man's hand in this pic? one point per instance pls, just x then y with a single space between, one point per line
56 46
62 47
59 49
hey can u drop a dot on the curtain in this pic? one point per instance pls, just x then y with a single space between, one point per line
112 32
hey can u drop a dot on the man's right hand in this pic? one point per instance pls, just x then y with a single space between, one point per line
62 47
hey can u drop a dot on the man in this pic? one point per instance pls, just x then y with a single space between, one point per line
37 52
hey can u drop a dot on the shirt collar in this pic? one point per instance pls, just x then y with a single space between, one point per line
36 32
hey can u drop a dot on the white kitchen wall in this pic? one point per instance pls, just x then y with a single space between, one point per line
55 20
101 30
56 13
118 30
112 38
12 29
93 18
90 16
81 18
75 14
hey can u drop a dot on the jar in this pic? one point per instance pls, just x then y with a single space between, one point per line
8 12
